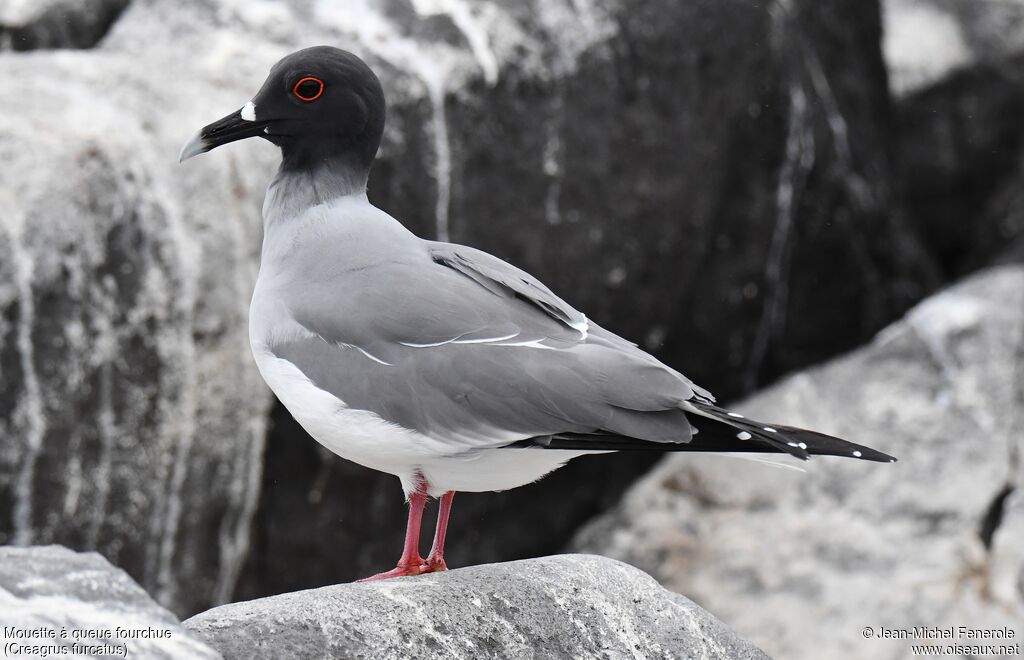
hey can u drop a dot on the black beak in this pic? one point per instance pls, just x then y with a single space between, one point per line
230 128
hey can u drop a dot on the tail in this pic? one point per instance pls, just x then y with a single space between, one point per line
719 426
719 430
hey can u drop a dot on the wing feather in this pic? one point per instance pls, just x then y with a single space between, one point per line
505 280
462 346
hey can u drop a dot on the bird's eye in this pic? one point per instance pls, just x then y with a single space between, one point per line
308 89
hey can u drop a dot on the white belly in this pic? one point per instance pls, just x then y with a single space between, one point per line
484 470
363 437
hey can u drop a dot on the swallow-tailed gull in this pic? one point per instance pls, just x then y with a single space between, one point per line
435 362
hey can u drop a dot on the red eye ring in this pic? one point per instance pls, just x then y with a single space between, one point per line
308 99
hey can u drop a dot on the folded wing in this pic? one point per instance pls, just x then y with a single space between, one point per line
464 347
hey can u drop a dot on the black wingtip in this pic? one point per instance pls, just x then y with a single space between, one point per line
866 454
819 444
719 431
790 439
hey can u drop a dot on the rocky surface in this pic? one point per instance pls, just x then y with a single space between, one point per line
959 155
78 605
132 417
572 606
39 24
705 174
933 540
926 40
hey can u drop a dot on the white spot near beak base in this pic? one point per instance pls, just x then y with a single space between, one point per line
248 112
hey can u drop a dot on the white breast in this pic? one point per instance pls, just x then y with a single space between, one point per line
360 436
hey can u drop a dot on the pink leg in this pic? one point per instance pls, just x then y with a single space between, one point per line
411 563
435 560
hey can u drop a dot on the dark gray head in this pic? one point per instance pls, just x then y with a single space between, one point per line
320 105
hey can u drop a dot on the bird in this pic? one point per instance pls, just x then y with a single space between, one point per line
435 362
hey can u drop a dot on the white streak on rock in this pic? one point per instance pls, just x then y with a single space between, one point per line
29 412
244 489
182 432
30 408
553 168
442 154
836 122
105 422
494 36
798 161
73 476
462 15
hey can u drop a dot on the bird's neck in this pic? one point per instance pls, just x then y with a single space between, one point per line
298 186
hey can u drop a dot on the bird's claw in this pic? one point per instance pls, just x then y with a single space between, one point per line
433 565
418 568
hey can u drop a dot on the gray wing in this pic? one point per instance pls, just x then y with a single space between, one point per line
505 280
464 347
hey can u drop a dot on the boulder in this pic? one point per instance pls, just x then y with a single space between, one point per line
133 419
802 564
59 603
926 40
42 24
955 69
704 174
132 416
573 606
959 156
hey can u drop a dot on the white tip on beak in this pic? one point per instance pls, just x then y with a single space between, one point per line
193 147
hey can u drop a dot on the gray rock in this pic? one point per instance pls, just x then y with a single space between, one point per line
959 155
56 23
133 419
718 168
926 40
53 597
573 606
800 564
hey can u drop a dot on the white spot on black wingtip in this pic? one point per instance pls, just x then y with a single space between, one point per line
892 460
770 430
793 444
743 435
856 453
802 445
737 415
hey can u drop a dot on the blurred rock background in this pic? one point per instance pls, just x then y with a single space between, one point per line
934 541
744 188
